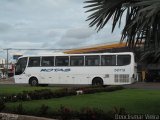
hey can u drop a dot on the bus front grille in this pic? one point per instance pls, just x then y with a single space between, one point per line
123 78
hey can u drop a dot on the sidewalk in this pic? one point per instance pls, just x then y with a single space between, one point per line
7 116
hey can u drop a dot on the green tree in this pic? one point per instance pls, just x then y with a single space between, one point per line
142 22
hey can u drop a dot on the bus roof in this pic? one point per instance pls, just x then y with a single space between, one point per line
64 54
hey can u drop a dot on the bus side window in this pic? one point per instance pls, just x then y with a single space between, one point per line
123 60
62 61
47 61
77 60
93 60
34 62
108 60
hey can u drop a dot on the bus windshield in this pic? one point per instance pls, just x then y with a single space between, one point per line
20 66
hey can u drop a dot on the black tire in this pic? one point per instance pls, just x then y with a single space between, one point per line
97 81
33 82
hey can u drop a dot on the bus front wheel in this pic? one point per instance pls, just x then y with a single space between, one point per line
33 81
97 81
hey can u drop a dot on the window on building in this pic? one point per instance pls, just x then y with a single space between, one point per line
108 60
77 61
34 62
62 61
123 60
47 61
92 60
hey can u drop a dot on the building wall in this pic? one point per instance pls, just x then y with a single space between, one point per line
2 61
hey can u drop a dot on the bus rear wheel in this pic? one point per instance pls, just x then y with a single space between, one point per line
33 81
97 81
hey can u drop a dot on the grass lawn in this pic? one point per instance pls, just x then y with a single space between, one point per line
14 89
133 100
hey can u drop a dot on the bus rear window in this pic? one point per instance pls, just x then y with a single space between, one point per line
77 60
34 62
62 61
93 60
108 60
123 60
47 61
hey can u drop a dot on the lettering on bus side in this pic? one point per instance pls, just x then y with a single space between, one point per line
56 70
119 70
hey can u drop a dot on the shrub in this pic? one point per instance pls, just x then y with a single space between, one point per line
47 93
64 92
24 96
14 98
40 94
2 105
113 88
92 114
65 113
90 90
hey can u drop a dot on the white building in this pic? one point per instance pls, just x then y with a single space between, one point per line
2 61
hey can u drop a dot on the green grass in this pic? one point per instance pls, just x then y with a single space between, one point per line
14 89
133 100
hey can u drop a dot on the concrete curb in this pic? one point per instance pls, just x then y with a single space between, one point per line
8 116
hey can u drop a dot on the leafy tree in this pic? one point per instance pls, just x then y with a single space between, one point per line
142 22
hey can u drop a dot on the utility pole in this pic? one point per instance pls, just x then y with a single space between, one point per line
7 64
7 61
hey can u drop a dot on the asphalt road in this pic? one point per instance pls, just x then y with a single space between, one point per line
140 85
144 85
7 81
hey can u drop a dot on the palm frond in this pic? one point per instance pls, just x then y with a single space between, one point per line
142 20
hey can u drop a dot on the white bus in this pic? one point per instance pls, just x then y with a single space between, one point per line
77 69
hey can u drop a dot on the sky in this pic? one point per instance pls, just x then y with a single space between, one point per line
49 24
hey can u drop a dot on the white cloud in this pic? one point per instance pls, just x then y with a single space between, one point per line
5 28
48 24
79 33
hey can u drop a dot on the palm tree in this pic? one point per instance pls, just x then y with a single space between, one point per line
142 22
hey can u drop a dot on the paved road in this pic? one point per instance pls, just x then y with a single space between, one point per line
141 85
144 85
7 81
